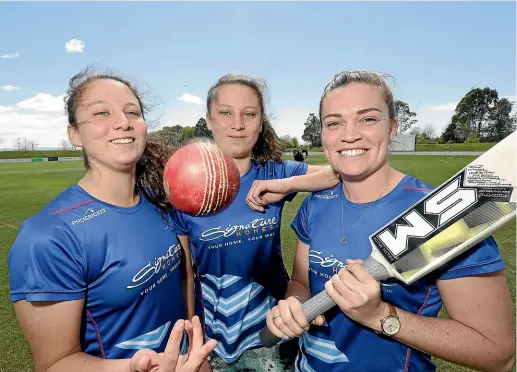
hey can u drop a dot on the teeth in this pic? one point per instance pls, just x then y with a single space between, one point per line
354 152
122 141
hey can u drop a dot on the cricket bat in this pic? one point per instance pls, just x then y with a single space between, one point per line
461 212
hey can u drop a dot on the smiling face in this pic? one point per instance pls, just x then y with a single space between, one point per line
356 129
235 119
109 125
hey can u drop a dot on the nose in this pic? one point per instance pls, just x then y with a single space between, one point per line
121 121
350 133
237 123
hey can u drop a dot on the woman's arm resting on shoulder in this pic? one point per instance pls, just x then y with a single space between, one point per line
291 321
265 192
188 273
479 332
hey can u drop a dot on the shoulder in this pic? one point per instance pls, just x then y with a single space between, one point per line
282 169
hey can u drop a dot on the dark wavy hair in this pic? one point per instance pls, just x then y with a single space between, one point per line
268 145
150 166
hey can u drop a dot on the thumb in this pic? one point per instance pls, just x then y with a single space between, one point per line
319 321
142 364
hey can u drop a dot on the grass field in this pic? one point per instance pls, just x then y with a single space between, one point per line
37 154
20 199
455 147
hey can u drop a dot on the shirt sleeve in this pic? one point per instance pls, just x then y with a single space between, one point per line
300 224
179 223
483 258
294 168
286 169
46 262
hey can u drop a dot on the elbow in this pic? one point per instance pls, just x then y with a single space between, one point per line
508 362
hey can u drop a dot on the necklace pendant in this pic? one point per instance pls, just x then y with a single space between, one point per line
343 240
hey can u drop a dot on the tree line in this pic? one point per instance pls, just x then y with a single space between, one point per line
480 116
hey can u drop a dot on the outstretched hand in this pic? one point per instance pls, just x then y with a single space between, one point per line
147 360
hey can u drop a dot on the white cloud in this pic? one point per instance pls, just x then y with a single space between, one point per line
74 46
43 102
189 98
9 88
40 119
10 56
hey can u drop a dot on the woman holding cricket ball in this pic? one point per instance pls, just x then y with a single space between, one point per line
388 326
238 262
96 276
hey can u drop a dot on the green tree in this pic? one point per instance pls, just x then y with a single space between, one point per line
172 136
449 135
201 129
188 133
501 120
312 131
405 116
475 110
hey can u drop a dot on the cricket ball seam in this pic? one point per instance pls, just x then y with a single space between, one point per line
203 159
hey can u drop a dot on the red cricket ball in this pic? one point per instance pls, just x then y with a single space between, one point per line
200 179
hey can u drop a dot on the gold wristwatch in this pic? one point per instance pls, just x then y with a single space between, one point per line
390 324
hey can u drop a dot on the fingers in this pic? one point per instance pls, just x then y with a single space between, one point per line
359 272
197 339
292 321
172 349
337 297
271 315
255 193
200 351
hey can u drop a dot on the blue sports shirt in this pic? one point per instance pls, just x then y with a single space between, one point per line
342 344
124 263
239 263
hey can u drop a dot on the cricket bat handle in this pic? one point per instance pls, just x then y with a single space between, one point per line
321 302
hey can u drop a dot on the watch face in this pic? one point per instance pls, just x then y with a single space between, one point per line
391 325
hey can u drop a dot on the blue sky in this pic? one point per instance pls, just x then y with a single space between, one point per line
436 52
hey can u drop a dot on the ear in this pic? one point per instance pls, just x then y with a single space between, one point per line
393 128
208 121
73 136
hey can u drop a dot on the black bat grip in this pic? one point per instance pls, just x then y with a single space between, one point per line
321 303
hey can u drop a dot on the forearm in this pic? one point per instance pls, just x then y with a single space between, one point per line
315 181
188 295
450 340
296 288
82 362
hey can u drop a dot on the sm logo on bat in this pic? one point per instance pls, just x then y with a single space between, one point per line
437 211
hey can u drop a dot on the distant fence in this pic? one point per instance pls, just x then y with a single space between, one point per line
37 160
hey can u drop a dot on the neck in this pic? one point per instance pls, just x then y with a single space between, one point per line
372 187
243 165
112 187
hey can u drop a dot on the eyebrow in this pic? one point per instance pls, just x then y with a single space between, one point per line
100 101
359 112
226 105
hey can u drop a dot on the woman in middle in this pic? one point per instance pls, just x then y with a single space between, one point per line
236 253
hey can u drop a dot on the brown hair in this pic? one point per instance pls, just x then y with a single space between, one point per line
268 145
150 166
366 77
